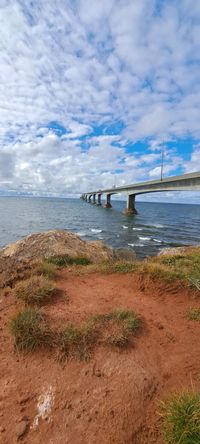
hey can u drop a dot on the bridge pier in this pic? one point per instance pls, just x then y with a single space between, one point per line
89 198
108 204
130 209
94 199
98 199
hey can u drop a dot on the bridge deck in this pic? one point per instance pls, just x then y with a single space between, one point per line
191 180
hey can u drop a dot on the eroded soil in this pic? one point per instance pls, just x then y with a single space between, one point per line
115 397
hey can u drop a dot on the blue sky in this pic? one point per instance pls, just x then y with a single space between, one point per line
92 91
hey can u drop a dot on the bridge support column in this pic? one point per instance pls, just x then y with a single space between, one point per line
130 209
94 198
89 198
98 199
108 204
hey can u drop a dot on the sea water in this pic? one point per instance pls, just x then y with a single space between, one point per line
156 226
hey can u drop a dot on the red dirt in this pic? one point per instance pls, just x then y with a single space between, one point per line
115 397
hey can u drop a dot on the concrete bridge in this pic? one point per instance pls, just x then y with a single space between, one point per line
186 182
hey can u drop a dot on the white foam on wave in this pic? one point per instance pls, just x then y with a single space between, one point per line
81 233
144 238
158 226
95 230
157 240
137 229
124 226
136 244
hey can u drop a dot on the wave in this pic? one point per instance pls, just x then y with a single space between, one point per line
124 226
158 240
81 234
137 229
95 230
136 244
144 238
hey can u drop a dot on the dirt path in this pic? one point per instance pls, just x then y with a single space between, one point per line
115 397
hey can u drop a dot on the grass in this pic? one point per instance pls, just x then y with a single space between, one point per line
118 327
30 330
181 419
36 290
64 261
194 314
76 341
169 268
109 267
46 269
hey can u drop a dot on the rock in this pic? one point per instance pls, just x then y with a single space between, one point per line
21 429
2 429
56 243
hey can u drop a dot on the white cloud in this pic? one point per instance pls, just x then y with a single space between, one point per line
89 63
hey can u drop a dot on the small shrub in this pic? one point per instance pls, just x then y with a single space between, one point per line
64 261
36 290
77 341
46 269
194 314
181 419
30 330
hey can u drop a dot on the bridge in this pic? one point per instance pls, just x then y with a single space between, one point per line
185 182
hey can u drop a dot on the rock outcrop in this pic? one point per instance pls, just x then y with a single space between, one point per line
56 243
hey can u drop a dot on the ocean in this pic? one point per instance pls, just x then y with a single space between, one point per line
156 226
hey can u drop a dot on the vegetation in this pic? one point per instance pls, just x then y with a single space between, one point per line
46 269
109 267
30 330
194 314
74 340
172 267
181 419
119 326
77 341
36 290
64 261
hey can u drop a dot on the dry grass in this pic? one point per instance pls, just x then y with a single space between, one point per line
107 267
194 314
46 269
118 327
36 290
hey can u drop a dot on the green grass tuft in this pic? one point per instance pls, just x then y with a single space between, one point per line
36 290
30 330
181 419
76 341
64 261
194 314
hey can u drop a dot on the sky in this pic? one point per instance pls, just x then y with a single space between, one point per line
92 92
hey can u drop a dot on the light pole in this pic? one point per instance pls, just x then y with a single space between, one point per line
162 161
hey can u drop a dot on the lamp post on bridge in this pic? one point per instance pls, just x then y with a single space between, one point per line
162 164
